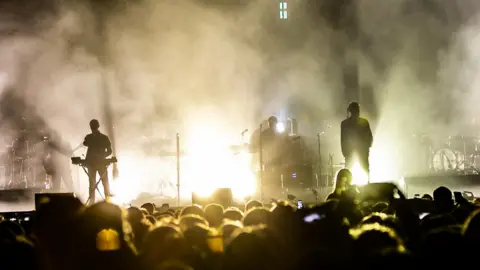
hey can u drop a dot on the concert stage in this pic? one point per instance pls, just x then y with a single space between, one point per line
426 184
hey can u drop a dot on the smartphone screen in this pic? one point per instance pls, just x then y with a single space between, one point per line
312 217
299 204
422 215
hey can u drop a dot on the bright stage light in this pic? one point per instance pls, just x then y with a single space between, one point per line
143 174
126 186
208 165
280 127
211 165
208 171
360 177
384 158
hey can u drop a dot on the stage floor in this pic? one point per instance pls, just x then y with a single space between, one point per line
24 200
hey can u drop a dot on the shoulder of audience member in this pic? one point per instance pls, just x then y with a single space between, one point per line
252 204
192 209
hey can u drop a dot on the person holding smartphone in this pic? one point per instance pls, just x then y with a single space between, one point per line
343 181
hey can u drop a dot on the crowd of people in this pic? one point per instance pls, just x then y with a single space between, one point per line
344 232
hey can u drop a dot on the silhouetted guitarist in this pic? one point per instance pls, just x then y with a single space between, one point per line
99 148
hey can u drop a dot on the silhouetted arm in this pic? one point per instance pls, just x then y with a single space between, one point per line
86 141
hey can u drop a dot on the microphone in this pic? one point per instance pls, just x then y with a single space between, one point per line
245 131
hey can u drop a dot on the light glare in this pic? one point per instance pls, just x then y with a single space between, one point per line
280 127
360 177
210 165
384 164
126 187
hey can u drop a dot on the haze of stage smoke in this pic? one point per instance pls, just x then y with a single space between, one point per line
178 64
415 57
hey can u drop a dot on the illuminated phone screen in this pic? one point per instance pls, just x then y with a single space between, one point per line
299 204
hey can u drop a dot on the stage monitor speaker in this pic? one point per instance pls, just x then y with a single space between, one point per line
45 198
222 196
17 195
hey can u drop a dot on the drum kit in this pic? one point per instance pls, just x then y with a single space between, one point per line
459 154
22 162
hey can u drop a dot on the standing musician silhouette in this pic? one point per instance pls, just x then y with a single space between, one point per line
356 139
99 148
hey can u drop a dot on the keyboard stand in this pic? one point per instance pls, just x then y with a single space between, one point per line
96 184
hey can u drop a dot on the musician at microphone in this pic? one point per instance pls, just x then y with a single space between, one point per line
99 148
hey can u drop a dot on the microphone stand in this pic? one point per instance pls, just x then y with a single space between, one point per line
260 159
319 154
178 168
76 148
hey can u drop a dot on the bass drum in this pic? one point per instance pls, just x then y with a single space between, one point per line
464 144
446 159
